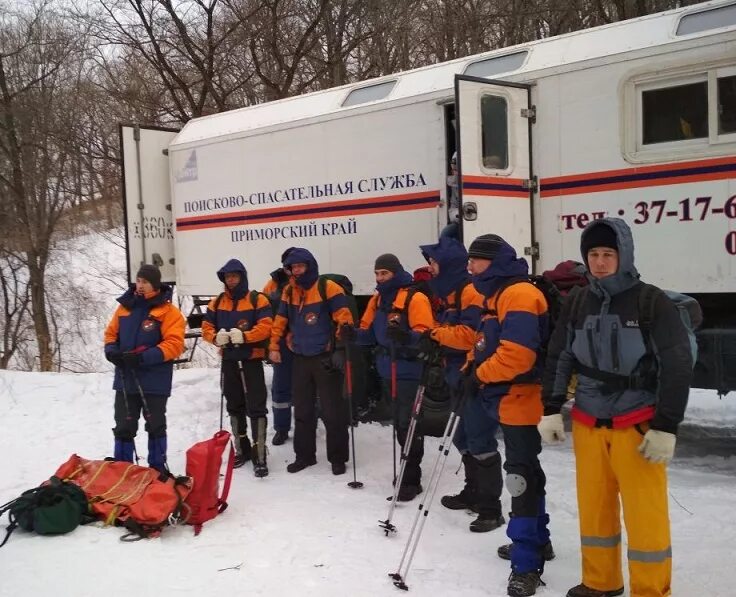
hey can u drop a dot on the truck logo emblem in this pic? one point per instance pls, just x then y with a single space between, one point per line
189 172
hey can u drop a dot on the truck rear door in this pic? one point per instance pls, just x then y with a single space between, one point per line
494 161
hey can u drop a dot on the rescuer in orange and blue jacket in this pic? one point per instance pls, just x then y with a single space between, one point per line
144 336
239 322
394 320
458 318
506 373
309 322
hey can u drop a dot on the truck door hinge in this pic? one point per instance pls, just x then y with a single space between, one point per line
531 184
530 113
532 251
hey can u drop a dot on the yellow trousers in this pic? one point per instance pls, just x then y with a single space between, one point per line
608 465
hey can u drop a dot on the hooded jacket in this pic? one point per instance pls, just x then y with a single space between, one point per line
234 309
512 331
303 317
390 301
456 323
604 335
150 325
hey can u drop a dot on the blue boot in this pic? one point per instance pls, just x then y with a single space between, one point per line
157 453
124 450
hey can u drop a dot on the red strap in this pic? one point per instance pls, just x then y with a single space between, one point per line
581 417
228 479
618 422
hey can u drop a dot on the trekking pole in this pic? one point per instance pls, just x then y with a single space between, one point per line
394 406
222 394
413 423
434 479
354 484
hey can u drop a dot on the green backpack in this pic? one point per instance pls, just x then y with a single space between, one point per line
53 508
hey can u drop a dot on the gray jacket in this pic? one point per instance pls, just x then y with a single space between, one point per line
618 372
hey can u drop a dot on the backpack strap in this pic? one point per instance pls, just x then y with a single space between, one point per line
222 500
578 295
494 311
218 300
647 299
458 295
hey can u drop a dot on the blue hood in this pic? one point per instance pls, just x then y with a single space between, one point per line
453 260
130 300
300 255
235 267
506 265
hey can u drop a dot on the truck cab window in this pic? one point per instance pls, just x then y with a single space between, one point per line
726 105
675 113
494 123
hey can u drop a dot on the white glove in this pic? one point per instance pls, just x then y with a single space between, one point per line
222 338
552 429
658 446
236 336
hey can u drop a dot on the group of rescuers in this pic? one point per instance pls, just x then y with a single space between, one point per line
490 332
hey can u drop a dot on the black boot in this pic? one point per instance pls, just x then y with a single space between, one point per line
258 452
548 553
279 438
523 584
466 499
241 442
489 487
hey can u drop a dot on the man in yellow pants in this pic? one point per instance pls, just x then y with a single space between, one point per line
632 354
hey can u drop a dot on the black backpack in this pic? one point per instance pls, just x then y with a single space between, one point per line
344 283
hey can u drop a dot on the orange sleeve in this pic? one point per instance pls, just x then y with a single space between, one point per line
262 330
208 329
173 327
421 318
341 315
112 329
460 336
280 323
269 287
369 314
512 358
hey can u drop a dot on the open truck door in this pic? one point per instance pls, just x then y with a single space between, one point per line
494 161
149 236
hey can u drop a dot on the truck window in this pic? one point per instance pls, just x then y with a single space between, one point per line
675 113
703 20
491 67
494 129
726 105
372 93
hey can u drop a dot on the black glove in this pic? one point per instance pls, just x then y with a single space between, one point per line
335 361
426 346
132 360
115 356
398 334
347 333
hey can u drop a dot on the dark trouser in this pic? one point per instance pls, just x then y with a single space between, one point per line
281 391
312 379
406 392
248 401
126 427
126 416
525 481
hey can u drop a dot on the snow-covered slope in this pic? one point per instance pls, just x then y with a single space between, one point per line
304 534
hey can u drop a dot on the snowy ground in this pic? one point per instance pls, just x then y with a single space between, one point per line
309 534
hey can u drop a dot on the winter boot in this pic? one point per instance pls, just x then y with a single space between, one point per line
157 453
504 552
523 584
408 492
240 440
300 465
582 591
466 499
488 495
124 450
279 438
258 452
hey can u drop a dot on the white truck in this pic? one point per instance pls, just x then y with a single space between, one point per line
635 119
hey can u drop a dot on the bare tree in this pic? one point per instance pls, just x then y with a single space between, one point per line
14 294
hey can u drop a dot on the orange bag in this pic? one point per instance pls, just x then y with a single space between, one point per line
128 495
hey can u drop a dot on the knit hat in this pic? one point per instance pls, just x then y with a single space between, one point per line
601 235
151 274
486 246
388 262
